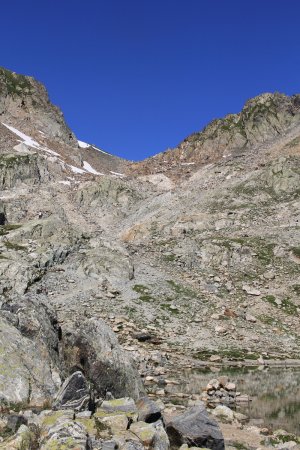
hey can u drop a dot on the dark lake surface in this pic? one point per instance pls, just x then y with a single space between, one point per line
274 392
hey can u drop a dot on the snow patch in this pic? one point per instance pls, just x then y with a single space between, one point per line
76 169
187 164
66 182
27 140
83 144
90 169
117 174
99 150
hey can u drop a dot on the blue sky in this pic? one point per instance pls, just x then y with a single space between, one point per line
137 76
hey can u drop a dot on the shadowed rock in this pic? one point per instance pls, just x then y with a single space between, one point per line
74 393
148 410
2 214
195 428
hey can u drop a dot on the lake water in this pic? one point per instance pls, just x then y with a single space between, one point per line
275 393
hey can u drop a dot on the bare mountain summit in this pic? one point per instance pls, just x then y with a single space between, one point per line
192 257
262 121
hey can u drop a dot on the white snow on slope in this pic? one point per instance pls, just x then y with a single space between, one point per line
117 174
83 144
27 140
90 169
187 164
76 169
99 150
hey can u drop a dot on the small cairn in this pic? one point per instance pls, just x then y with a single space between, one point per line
220 390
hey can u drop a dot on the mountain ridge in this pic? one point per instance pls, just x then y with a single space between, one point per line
238 126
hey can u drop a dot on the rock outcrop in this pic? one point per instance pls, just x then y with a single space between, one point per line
23 100
91 346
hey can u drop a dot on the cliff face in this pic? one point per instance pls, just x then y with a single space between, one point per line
25 102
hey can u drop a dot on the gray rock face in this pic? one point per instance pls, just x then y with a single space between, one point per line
25 369
93 347
195 428
14 422
18 168
124 405
29 372
74 393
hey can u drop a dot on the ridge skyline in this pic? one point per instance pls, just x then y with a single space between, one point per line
168 148
137 78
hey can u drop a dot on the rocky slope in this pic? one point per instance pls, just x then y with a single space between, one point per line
189 256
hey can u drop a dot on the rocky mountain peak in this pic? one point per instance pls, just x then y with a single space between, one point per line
262 119
24 103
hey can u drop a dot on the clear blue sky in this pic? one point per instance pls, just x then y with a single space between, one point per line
137 76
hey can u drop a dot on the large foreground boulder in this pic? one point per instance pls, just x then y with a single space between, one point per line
29 372
196 429
92 347
60 431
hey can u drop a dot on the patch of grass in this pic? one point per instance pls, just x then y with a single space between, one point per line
6 432
167 307
130 311
296 288
180 289
296 251
286 304
228 242
245 189
146 298
266 319
264 250
16 84
12 246
270 299
13 160
231 354
266 253
144 293
239 354
5 229
140 289
289 307
283 438
170 258
293 143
